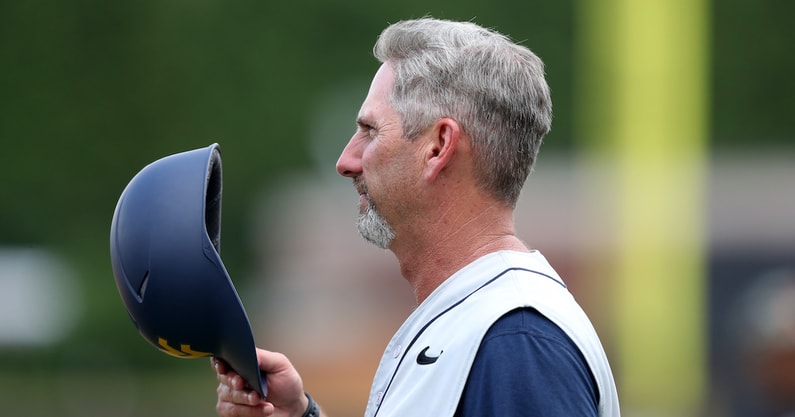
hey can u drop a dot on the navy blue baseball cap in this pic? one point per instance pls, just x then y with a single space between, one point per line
165 242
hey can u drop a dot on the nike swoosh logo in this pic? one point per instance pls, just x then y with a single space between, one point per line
423 359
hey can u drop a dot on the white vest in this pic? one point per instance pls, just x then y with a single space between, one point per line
453 320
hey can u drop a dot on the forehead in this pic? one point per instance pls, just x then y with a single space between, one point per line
377 101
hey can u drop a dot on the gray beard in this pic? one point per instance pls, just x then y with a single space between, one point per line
374 228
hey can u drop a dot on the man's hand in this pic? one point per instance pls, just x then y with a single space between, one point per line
285 389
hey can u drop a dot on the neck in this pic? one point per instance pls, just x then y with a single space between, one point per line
428 259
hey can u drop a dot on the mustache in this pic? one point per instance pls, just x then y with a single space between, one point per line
359 185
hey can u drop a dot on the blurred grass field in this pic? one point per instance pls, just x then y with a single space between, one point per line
109 393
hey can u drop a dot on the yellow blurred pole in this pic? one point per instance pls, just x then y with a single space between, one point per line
642 113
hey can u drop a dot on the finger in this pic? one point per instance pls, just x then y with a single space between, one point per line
226 375
230 395
233 381
219 365
225 409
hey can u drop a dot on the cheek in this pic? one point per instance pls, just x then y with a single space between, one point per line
377 160
380 177
390 171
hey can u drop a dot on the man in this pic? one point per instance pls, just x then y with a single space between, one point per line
446 138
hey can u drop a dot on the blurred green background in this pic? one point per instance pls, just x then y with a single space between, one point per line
91 91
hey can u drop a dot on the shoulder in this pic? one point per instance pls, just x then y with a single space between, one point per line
527 321
527 365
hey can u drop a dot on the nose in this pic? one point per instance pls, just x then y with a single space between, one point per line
350 162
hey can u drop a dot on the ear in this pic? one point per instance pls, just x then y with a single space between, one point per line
444 142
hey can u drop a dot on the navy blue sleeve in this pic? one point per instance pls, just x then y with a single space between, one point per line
527 366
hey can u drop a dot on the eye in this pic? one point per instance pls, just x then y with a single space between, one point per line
367 129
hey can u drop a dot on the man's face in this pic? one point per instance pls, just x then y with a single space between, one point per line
380 162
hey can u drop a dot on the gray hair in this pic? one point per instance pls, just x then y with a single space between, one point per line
494 88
